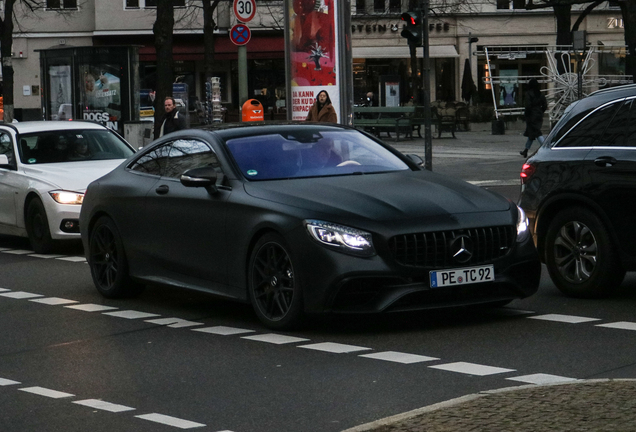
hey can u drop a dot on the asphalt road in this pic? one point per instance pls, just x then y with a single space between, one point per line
71 360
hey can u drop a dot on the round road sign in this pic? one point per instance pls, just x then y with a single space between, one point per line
244 10
240 34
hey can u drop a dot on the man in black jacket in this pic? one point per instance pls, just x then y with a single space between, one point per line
172 121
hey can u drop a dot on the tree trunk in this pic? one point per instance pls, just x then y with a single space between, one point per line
628 8
208 37
563 16
6 40
162 29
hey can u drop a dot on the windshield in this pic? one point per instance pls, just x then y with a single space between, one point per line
71 146
269 157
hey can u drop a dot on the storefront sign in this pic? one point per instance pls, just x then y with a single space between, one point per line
613 23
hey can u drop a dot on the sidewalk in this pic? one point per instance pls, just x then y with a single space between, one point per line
586 405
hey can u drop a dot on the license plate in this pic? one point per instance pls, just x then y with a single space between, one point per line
462 276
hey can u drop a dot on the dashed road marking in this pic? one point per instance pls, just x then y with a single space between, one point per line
472 368
541 378
73 259
20 295
399 357
8 382
4 289
170 421
90 307
104 406
54 394
53 301
275 338
223 330
571 319
622 325
334 347
131 314
18 251
45 256
174 322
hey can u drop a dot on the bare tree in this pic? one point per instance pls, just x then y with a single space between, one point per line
628 9
163 29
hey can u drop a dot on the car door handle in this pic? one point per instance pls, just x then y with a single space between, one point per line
162 190
605 161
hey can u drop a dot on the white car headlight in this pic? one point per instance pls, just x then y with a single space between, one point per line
523 228
66 197
345 238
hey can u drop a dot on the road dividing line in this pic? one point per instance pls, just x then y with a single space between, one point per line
4 289
622 325
130 314
54 301
54 394
399 357
471 368
541 378
570 319
104 406
173 322
90 307
275 338
19 252
7 382
73 259
170 421
20 295
45 256
334 347
222 330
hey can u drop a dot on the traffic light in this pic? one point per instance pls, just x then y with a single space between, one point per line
413 29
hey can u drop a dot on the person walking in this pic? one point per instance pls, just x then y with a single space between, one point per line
535 106
172 121
322 110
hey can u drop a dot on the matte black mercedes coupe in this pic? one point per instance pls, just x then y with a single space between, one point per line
303 218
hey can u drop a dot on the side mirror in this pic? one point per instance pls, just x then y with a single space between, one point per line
416 159
200 177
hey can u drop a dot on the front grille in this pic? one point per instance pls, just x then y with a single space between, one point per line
432 250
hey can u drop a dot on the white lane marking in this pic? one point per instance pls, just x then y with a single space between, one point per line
53 301
90 307
541 378
495 182
471 368
623 325
170 421
399 357
130 314
18 251
73 259
104 406
46 392
20 295
334 347
4 249
275 338
174 322
223 330
6 382
4 289
45 256
571 319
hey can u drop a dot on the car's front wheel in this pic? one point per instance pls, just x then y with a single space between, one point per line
37 226
580 255
107 261
274 286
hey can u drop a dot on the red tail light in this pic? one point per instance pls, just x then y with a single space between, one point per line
527 170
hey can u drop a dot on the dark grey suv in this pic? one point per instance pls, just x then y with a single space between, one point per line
579 193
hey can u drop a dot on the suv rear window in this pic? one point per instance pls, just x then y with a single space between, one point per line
588 131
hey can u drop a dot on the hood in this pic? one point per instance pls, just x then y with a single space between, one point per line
71 176
382 197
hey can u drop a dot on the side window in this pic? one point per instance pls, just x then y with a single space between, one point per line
591 129
618 130
154 162
630 139
188 154
6 147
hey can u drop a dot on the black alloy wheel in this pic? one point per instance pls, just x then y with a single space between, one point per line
274 287
580 255
107 261
37 226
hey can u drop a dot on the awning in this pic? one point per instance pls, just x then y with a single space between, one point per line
402 51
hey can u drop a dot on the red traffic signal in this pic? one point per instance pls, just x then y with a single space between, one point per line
413 29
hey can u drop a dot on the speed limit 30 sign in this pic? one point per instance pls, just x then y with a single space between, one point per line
244 10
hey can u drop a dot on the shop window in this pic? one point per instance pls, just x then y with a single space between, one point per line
378 6
361 7
511 4
140 4
61 4
395 6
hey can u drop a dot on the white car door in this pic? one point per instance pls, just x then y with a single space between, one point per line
8 181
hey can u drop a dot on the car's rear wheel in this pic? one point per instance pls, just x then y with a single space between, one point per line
37 226
580 255
274 287
107 261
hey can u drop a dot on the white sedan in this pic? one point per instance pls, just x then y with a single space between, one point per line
45 168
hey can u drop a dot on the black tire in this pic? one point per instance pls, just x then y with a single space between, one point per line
580 256
107 261
37 226
274 287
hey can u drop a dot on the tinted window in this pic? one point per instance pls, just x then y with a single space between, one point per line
154 161
188 154
590 130
71 146
618 130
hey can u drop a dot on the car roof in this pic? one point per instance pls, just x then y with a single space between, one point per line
42 126
237 130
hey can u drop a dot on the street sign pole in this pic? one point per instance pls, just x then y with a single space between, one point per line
244 11
242 74
428 136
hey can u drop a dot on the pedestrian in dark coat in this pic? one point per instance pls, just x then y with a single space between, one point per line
535 106
171 120
322 110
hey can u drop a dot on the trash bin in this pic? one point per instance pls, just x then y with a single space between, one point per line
252 110
498 127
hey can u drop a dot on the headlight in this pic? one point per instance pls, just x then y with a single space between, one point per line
66 197
347 239
522 225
